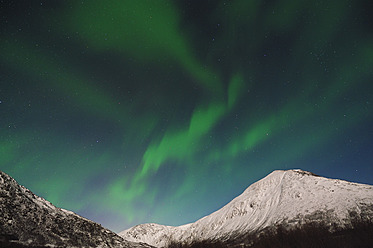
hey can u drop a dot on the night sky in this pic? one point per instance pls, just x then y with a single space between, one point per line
130 112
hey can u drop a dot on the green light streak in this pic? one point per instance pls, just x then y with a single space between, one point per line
185 143
235 89
124 200
178 146
294 113
145 29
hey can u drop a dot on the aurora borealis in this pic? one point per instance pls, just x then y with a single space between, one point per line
129 112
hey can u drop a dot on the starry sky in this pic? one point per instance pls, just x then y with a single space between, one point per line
130 112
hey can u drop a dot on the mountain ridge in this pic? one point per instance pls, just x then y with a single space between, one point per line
27 220
286 198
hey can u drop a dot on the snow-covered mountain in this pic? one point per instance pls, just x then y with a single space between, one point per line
288 199
27 220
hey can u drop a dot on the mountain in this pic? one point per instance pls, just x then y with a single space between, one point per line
27 220
283 200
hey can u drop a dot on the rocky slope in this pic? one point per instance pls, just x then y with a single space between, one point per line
27 220
286 199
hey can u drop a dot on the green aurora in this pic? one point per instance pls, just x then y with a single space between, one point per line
128 112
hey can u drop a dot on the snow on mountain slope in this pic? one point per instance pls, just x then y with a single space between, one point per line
149 233
287 198
27 220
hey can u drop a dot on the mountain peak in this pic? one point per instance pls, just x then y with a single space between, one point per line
288 198
298 171
302 172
